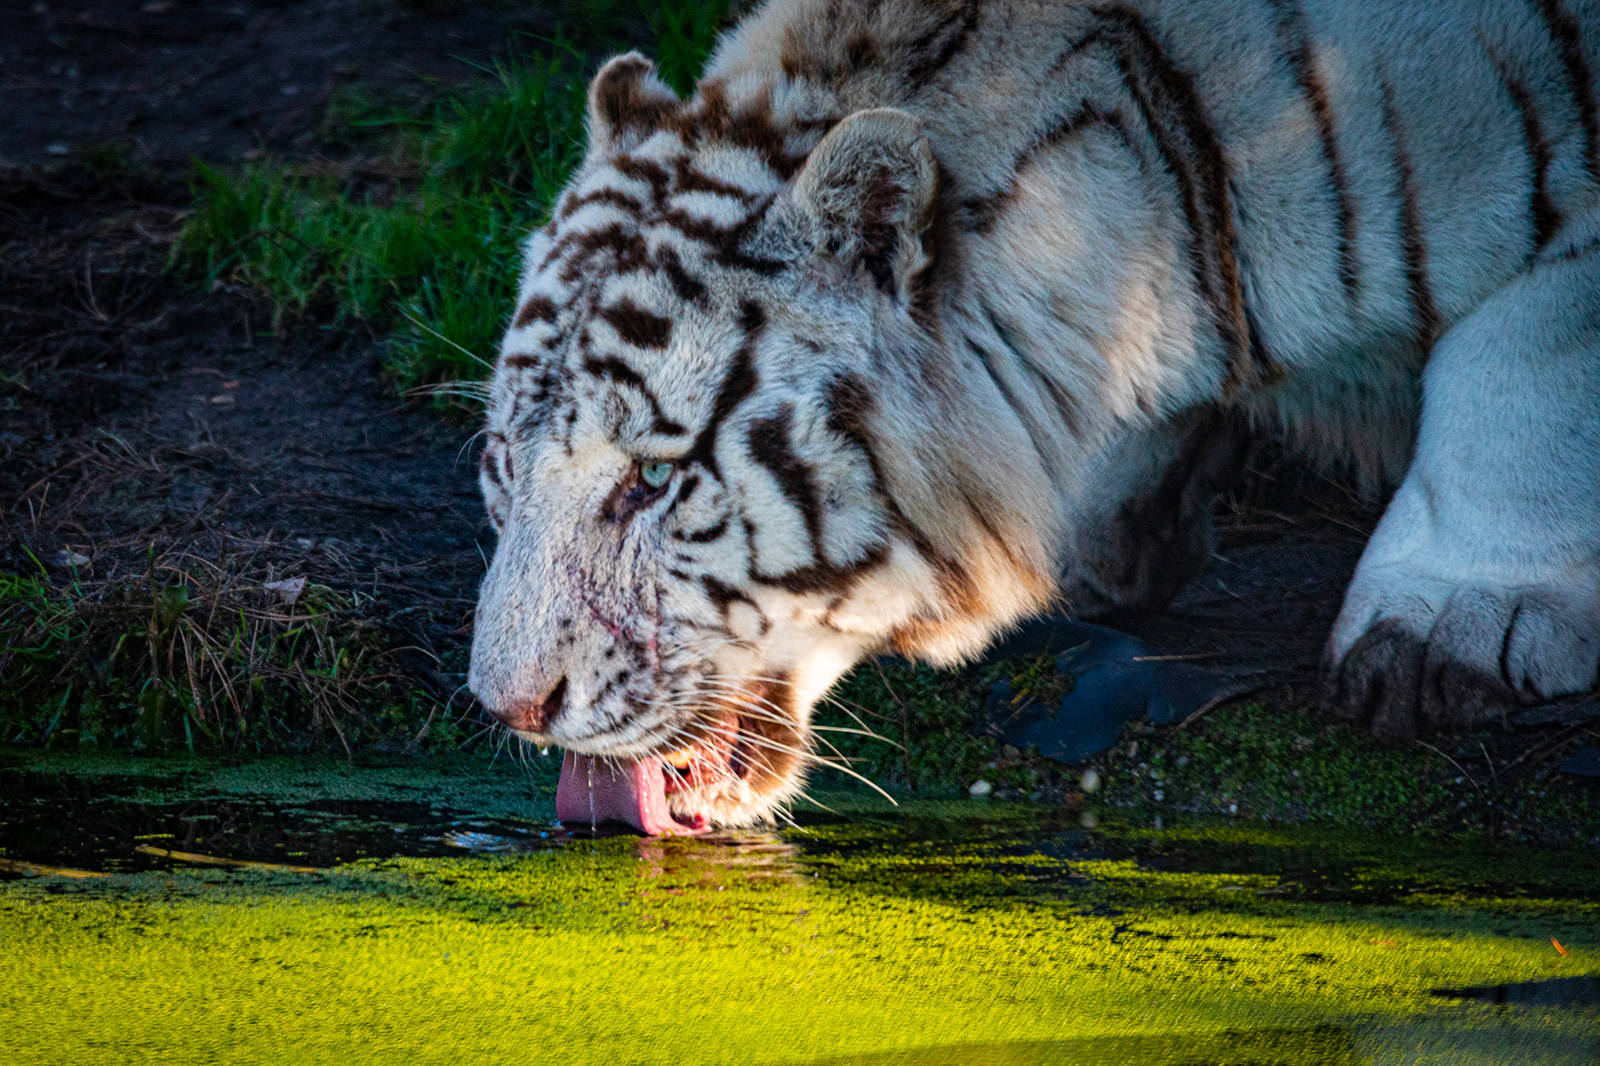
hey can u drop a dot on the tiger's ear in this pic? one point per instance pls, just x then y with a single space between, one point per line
870 186
627 97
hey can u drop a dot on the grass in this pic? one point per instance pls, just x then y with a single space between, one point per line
196 655
419 240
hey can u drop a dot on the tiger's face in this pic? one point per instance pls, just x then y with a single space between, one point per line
712 485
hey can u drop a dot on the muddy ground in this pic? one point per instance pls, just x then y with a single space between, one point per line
139 412
168 80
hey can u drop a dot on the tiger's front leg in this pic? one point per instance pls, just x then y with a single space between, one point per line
1144 531
1480 589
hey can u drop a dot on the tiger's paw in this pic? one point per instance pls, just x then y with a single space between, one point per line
1410 657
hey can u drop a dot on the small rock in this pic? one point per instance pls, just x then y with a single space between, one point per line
1133 749
288 590
1233 808
58 148
1183 760
67 559
1160 795
1158 821
980 789
1303 743
222 399
1585 763
1088 820
1090 781
304 543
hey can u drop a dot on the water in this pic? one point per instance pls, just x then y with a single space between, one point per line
446 919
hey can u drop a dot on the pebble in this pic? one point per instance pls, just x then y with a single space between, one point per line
1090 782
67 559
1088 820
980 789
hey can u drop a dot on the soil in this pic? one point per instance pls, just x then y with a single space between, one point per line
139 414
137 411
169 80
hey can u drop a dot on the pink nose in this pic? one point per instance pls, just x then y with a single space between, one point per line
533 716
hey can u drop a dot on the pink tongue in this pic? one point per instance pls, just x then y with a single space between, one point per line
594 790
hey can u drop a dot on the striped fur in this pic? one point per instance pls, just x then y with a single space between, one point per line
941 307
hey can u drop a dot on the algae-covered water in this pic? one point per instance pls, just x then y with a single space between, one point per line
430 912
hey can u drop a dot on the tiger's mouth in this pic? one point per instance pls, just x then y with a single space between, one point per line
733 771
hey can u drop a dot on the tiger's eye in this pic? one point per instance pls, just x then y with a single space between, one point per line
656 474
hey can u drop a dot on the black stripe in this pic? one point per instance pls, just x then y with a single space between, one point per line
1546 217
1295 36
703 536
625 242
1176 118
936 49
1577 251
486 464
1065 405
725 242
615 197
825 577
690 483
1413 247
689 288
721 594
980 213
956 586
770 445
983 358
537 309
609 366
736 388
690 179
848 404
647 171
636 325
1568 38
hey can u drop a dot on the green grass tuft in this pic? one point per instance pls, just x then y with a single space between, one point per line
422 243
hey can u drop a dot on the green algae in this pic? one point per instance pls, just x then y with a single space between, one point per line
937 933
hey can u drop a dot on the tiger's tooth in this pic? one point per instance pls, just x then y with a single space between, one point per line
680 758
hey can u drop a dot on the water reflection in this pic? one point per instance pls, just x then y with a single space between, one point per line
762 856
1409 1045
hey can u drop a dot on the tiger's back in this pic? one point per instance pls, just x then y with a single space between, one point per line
1344 180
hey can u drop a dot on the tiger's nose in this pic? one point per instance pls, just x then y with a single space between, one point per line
533 716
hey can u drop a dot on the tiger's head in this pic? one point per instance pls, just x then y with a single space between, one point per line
728 455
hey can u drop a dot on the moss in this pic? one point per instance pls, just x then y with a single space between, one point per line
1260 761
951 932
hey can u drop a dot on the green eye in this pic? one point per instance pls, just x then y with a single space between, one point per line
656 474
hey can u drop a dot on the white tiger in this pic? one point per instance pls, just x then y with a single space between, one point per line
923 313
